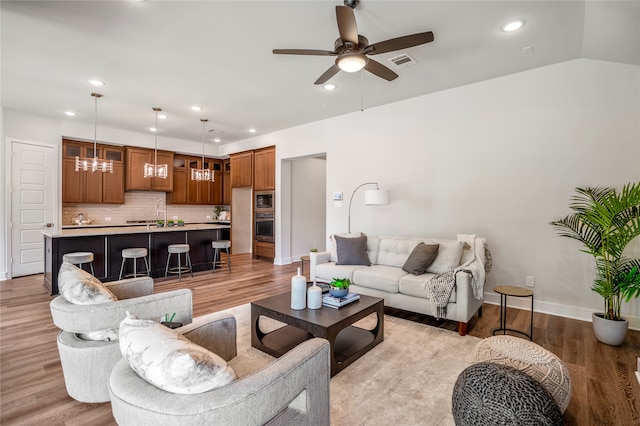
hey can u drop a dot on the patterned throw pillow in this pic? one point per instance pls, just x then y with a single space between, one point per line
167 360
80 287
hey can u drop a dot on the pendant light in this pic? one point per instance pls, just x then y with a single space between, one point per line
203 174
155 169
94 164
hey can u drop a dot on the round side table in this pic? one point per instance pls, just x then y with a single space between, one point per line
305 258
507 290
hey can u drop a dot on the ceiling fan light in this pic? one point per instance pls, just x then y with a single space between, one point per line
352 62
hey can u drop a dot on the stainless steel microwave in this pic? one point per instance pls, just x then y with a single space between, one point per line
264 201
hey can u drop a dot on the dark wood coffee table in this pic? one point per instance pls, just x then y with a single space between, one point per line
348 342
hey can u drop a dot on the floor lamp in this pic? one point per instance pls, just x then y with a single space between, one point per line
372 197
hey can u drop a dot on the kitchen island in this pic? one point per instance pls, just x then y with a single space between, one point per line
107 244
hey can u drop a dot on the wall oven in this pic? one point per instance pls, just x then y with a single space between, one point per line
264 226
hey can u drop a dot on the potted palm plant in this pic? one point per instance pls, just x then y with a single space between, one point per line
605 221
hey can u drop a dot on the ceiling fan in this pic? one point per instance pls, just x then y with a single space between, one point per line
353 50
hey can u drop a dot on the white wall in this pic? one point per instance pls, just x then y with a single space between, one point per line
499 159
308 211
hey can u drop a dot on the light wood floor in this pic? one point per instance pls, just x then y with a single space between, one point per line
605 391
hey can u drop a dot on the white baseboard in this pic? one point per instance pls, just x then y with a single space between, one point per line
566 311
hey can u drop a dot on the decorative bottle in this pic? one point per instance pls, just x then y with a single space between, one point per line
298 291
314 297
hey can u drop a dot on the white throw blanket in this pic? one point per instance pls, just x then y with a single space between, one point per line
440 287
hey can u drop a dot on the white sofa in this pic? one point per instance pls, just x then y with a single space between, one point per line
386 279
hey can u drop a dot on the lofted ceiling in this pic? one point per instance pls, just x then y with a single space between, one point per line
218 55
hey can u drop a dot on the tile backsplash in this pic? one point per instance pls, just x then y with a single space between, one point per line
138 205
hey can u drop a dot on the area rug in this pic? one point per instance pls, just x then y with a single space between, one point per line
406 380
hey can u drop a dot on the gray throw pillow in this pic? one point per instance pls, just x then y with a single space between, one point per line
352 251
420 258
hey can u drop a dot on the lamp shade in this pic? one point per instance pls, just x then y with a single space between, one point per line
376 197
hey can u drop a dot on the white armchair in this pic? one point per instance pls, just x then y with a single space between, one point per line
86 364
294 389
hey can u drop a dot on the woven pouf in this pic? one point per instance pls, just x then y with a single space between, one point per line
487 394
531 359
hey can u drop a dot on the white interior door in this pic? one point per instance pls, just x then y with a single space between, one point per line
33 188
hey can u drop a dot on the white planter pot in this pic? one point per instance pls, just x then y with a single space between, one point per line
609 331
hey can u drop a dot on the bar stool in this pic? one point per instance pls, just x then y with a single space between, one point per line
178 249
217 247
79 258
135 254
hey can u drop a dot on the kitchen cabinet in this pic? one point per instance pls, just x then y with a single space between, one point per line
242 169
135 161
264 171
180 181
92 187
187 191
226 182
264 249
217 185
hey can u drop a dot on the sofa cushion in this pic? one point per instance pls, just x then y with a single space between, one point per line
449 255
328 271
379 277
80 287
352 251
167 360
395 251
420 258
416 286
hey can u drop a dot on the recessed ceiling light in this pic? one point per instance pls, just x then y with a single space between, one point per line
70 113
329 86
216 140
153 129
162 116
96 82
252 130
196 108
513 25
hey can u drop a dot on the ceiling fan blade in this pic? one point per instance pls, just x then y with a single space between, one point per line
328 74
347 24
375 67
304 52
399 43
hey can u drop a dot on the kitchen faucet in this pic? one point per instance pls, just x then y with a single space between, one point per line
158 211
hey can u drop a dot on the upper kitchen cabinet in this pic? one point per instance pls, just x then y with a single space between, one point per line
188 191
242 169
217 185
264 173
92 187
226 182
180 180
135 161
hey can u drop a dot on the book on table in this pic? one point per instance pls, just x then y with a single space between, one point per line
337 302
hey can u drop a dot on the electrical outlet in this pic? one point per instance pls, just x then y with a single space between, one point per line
107 219
175 217
208 216
530 281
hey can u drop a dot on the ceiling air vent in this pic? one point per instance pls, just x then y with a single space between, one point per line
402 60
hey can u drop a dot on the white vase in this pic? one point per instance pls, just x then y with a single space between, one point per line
314 297
298 291
609 331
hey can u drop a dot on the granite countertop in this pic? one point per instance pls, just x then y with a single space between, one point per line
97 230
139 223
